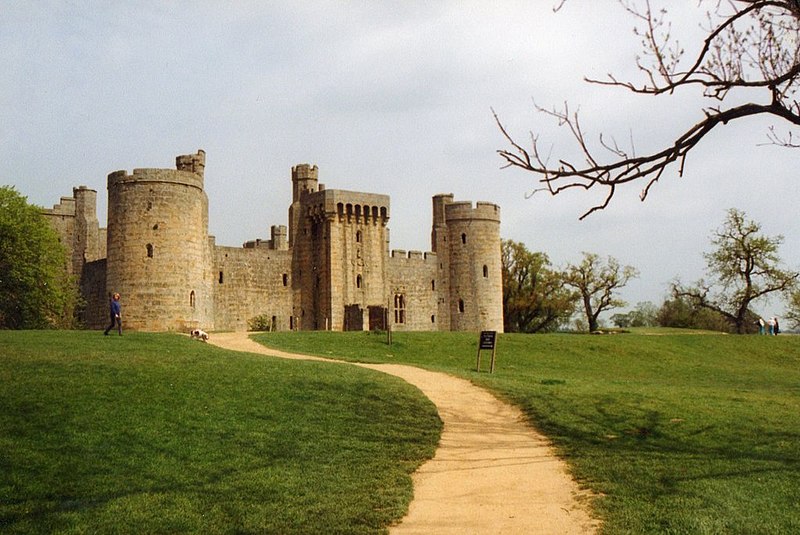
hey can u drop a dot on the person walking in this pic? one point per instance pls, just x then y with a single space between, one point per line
115 310
761 325
771 326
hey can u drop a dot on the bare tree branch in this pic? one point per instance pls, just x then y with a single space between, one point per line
754 47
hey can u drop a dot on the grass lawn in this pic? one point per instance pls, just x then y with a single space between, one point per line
156 433
677 433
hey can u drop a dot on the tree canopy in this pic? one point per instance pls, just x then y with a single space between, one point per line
534 296
744 267
597 283
35 290
747 65
793 311
681 312
644 314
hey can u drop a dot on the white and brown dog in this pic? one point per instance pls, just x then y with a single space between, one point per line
200 334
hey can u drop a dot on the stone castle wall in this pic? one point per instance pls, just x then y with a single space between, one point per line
414 291
330 270
75 220
252 282
95 313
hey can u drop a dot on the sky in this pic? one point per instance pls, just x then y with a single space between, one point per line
390 97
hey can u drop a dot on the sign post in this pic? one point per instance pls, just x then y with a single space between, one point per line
387 324
488 340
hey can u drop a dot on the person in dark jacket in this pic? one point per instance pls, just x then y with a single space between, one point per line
116 315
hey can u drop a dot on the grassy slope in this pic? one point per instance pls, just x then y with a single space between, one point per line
680 433
156 433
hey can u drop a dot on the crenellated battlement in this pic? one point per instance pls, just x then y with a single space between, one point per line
463 210
277 242
193 163
305 171
167 176
350 206
65 206
401 255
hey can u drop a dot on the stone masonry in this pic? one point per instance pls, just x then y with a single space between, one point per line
331 269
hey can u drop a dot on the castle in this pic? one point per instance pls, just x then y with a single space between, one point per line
330 270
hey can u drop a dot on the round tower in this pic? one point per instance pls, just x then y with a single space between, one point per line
158 253
476 286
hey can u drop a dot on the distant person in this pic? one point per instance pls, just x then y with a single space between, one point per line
115 310
777 327
761 326
771 326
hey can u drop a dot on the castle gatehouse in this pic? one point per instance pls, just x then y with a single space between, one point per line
331 269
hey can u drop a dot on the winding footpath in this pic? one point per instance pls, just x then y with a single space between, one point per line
492 473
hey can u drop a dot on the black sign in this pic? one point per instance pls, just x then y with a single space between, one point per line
487 339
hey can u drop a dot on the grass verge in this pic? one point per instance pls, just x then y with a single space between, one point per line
155 433
677 433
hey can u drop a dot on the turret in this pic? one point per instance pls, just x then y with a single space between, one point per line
305 179
439 222
475 272
193 163
278 235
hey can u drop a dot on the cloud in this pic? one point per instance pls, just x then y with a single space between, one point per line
388 97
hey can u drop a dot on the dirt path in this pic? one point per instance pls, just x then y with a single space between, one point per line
492 473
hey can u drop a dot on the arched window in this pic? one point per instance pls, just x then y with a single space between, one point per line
358 236
433 285
358 281
463 238
191 299
461 305
149 250
485 270
220 277
285 279
433 318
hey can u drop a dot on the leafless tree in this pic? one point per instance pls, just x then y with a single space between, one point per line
597 283
751 47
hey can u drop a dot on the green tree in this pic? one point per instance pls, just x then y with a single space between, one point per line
744 267
35 290
622 321
680 312
793 311
645 314
534 297
596 283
